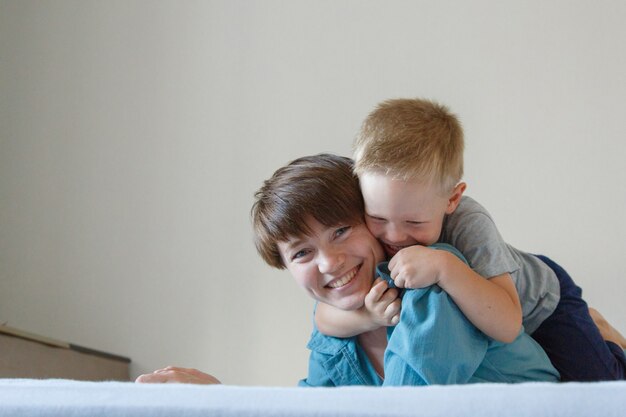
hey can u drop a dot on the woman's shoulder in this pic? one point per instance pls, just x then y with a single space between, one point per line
327 345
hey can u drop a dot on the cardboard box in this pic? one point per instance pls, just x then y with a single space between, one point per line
27 355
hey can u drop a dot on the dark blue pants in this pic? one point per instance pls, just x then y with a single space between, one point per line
572 340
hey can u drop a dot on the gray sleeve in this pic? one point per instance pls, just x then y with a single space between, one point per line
475 234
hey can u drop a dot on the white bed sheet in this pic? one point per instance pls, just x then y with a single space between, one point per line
25 397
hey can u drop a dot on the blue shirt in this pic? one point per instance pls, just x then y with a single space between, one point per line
434 343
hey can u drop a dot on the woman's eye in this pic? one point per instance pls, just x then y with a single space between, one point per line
300 254
341 230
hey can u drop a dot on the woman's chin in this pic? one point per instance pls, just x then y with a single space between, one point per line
353 303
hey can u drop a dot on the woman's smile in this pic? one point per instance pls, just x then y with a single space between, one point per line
345 279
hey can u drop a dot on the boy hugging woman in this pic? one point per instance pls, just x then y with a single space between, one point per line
414 283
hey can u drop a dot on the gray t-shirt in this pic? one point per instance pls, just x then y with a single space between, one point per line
472 231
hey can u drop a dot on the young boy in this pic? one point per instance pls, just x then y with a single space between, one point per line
409 159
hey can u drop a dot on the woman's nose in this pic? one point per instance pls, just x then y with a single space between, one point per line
331 261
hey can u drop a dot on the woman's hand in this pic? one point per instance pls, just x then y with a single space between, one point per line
176 375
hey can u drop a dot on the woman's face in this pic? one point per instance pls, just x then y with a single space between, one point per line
335 265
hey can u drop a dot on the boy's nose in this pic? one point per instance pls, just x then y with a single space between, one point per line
394 234
331 261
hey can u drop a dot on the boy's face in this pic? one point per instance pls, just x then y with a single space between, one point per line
335 265
405 213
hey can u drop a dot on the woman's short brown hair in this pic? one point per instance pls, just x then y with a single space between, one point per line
322 187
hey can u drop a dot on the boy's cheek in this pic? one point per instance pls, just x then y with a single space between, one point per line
389 252
373 228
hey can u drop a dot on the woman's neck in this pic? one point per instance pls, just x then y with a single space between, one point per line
374 344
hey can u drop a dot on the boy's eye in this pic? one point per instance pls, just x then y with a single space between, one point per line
414 223
376 219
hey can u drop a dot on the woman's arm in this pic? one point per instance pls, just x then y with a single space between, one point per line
381 308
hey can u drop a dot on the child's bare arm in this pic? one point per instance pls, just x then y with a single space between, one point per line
381 308
492 305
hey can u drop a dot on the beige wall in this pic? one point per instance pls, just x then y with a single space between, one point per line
133 135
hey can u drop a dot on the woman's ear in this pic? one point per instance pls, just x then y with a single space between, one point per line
455 197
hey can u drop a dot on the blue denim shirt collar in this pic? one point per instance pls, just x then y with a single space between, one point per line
339 359
327 345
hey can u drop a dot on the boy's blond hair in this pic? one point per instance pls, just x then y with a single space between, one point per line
411 139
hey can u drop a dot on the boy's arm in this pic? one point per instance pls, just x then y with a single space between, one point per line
381 308
492 305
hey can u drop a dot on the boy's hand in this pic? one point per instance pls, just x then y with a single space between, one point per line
415 267
382 304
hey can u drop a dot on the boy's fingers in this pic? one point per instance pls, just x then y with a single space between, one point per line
392 271
377 290
389 295
394 308
392 262
399 281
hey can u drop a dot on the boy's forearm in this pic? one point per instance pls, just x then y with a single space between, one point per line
332 321
492 305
